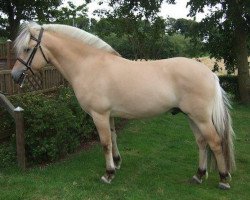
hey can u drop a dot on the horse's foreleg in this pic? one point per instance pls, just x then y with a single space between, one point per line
103 127
116 155
202 145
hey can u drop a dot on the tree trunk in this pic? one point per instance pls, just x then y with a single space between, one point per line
13 29
13 20
236 14
242 64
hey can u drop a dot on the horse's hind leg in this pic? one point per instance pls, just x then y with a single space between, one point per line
202 145
210 134
103 127
116 155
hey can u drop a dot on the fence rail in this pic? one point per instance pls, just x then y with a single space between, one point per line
49 78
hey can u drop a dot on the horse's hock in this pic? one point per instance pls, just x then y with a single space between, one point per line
17 114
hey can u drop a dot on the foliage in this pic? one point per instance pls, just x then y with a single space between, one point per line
72 15
138 22
15 11
188 29
12 12
145 38
183 46
7 154
230 85
226 34
137 8
141 39
54 126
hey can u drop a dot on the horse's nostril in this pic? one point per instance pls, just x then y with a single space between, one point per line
16 74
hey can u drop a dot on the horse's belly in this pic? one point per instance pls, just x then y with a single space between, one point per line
141 109
135 115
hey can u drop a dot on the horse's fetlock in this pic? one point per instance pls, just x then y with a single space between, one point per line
110 171
225 177
117 159
201 172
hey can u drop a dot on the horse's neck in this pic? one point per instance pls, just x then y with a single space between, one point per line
68 55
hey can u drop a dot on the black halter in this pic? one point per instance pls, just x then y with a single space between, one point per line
30 59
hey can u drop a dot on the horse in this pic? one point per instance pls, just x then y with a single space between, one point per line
107 85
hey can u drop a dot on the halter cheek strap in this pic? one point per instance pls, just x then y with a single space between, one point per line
31 57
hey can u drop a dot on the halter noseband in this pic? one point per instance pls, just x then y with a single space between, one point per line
31 57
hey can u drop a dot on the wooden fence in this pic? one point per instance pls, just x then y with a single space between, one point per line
7 55
48 79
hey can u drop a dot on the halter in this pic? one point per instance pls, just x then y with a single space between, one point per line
31 57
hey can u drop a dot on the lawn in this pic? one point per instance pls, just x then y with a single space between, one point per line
159 156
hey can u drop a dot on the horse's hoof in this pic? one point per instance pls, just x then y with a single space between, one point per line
196 180
224 186
106 180
108 177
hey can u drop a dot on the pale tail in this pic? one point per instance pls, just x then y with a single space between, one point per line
223 124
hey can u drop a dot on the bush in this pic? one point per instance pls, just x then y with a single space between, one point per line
230 85
54 125
7 154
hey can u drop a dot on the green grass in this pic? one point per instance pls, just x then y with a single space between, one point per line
159 156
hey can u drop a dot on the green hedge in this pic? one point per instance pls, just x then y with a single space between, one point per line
54 126
230 85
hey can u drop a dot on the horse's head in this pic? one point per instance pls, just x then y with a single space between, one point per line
31 54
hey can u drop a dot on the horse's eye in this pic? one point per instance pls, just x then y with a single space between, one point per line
27 49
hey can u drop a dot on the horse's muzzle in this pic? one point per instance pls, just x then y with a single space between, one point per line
18 76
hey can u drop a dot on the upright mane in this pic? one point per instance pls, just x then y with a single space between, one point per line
23 38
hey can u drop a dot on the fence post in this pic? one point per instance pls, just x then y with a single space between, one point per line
8 53
20 144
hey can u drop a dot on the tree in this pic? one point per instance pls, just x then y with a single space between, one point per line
186 28
73 15
17 10
226 32
140 22
145 39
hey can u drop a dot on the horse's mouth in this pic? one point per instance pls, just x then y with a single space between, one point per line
21 80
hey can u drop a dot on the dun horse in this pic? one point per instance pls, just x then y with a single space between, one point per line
107 86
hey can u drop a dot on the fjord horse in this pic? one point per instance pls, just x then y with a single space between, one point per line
107 86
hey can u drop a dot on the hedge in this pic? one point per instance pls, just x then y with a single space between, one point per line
230 84
54 127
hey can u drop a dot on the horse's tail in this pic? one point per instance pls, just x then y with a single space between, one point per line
223 124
